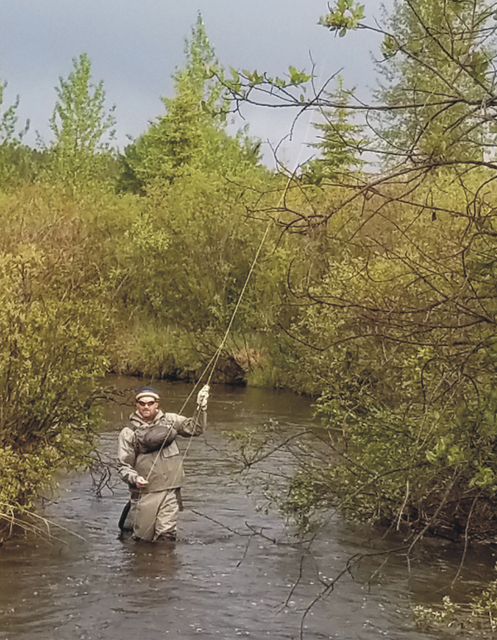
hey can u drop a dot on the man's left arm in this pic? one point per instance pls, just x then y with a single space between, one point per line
195 426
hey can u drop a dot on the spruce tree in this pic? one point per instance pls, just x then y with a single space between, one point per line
341 142
191 134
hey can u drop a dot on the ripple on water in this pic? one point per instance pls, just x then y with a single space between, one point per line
218 581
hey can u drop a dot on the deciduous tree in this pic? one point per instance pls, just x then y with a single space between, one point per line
399 324
13 156
82 128
437 78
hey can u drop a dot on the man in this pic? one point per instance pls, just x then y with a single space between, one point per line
151 464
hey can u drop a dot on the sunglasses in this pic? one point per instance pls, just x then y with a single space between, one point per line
142 403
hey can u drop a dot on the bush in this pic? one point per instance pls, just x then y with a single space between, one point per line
52 346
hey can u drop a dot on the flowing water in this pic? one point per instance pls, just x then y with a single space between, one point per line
220 580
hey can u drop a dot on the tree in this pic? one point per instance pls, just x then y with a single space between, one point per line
191 135
438 103
81 126
13 156
398 327
340 142
54 323
437 68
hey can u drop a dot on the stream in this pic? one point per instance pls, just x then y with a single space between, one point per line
221 579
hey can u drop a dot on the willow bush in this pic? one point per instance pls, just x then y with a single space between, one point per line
52 344
397 331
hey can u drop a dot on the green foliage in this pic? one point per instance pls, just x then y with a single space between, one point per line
52 334
244 85
436 68
143 284
484 607
82 129
345 15
480 615
396 330
379 301
12 153
25 474
191 135
241 85
341 143
48 345
191 249
155 351
428 617
8 120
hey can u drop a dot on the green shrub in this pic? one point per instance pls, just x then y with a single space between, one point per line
53 326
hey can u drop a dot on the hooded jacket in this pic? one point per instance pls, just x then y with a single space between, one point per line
162 468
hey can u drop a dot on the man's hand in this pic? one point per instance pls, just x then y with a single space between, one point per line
203 397
141 482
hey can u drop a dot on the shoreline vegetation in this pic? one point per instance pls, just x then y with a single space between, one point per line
160 353
374 292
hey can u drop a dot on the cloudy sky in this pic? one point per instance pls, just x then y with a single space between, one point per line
135 45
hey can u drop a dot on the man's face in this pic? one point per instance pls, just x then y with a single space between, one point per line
147 407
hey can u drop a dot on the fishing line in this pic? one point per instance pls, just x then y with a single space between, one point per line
217 354
215 358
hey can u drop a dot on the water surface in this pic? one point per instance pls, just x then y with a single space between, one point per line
219 580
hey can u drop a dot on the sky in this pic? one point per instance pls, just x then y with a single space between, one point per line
135 45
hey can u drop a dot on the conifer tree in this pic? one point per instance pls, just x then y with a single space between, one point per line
340 142
191 135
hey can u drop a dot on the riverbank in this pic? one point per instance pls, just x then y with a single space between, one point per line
150 351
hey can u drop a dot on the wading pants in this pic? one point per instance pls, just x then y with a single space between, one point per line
153 514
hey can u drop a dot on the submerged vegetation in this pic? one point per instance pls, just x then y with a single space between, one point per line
375 290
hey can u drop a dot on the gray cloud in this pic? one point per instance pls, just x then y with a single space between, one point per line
135 45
